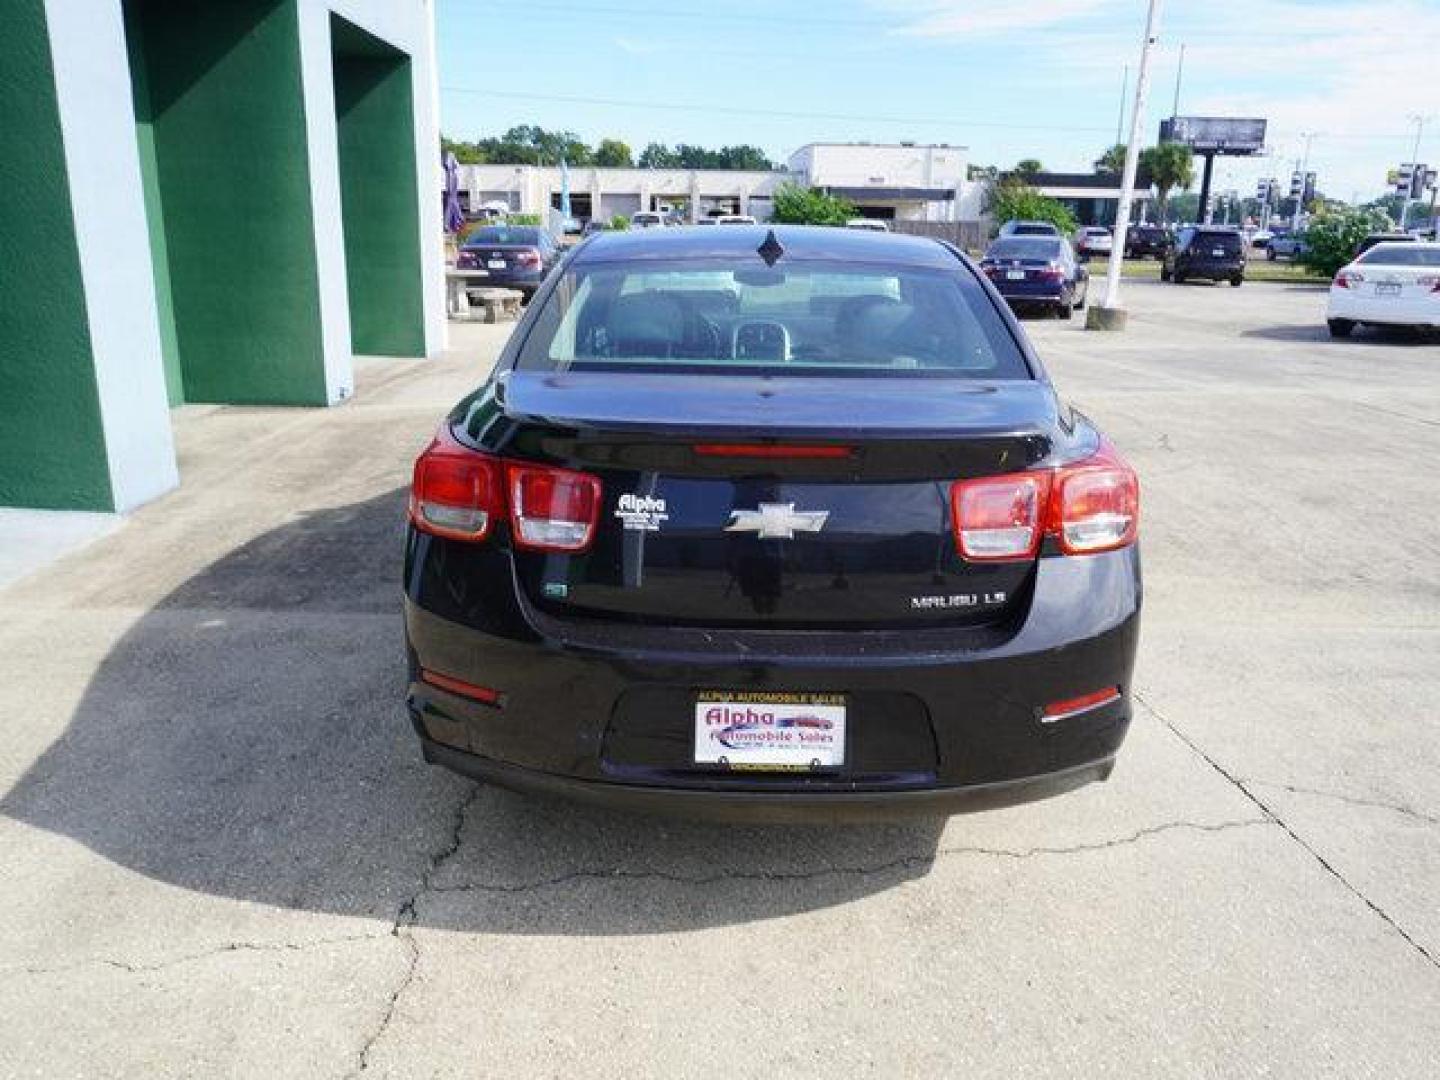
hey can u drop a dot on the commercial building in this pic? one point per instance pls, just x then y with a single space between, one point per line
894 181
1093 198
202 202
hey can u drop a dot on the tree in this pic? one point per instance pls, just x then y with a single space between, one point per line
1334 233
1013 199
1169 165
1028 167
796 205
466 153
613 154
745 159
656 156
1112 161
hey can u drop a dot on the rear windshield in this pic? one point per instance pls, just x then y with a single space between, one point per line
801 318
502 234
1401 254
1229 242
1024 248
1034 230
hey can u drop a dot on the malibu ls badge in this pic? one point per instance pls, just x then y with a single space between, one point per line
777 521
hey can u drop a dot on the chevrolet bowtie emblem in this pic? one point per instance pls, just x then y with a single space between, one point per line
777 521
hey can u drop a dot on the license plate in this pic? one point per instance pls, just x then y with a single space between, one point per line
1014 275
781 732
1387 288
496 264
1218 253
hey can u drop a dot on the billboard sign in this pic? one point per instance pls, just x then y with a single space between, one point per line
1215 134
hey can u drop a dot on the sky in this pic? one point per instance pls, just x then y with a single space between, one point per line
1009 79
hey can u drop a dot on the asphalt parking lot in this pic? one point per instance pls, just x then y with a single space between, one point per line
224 856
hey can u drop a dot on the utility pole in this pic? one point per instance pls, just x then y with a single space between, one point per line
1179 71
1419 122
1301 166
1120 120
1110 316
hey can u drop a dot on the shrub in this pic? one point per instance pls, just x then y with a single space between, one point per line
1011 200
619 223
1333 234
796 205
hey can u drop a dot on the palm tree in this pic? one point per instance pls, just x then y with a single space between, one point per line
1112 161
1170 165
1028 167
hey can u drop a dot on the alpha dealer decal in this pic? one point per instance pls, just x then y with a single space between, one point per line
642 513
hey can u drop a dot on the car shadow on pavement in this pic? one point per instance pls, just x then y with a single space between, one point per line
1362 335
246 738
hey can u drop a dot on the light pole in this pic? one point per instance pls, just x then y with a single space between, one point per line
1419 122
1110 315
1304 165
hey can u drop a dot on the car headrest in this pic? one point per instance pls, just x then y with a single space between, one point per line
646 324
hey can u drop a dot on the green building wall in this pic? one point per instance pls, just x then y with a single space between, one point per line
223 110
375 120
52 441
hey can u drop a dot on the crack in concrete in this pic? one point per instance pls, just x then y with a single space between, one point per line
1352 800
905 862
405 919
1264 807
135 968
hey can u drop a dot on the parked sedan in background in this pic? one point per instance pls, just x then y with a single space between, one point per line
1037 272
1212 252
1093 240
781 523
1391 284
648 219
1286 245
1145 241
511 256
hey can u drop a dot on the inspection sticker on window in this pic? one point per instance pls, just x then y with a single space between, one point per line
787 732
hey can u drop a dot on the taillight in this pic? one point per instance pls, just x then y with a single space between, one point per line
1095 504
456 492
1088 507
553 509
1348 279
465 259
999 517
528 257
1052 273
460 493
1429 281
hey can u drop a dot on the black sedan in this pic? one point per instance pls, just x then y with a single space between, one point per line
1037 273
512 256
778 524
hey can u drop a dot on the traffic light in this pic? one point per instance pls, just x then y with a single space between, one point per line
1308 192
1404 179
1262 192
1418 175
1297 184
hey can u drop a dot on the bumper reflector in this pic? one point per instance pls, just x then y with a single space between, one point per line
1062 710
483 694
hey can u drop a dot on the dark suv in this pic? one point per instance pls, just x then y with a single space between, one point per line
1204 251
1142 241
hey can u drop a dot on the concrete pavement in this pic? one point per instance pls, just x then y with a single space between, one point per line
224 856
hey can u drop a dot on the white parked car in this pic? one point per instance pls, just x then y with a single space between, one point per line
1392 284
648 219
873 224
1093 240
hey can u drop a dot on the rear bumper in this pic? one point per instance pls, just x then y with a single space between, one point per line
1424 312
1216 271
941 718
770 806
1032 293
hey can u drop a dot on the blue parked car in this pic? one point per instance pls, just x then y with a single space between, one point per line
1037 272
